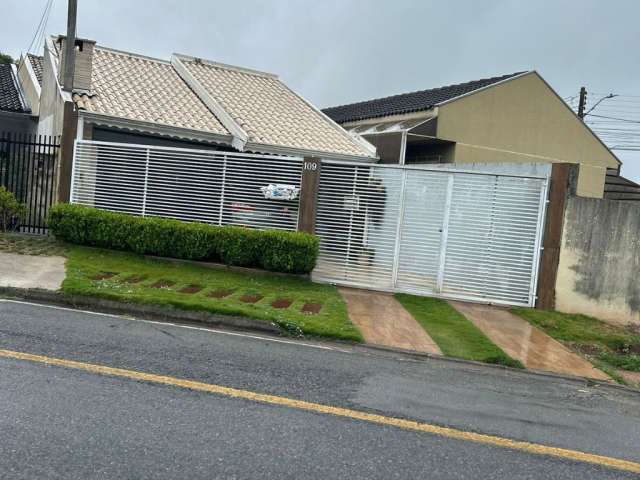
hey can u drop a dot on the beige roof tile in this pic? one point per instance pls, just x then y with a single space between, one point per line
269 112
145 89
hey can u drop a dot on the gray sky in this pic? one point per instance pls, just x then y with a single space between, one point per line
341 51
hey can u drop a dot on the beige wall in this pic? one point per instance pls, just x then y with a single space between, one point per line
600 260
51 101
29 86
523 120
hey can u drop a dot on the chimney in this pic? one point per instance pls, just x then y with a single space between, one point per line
83 62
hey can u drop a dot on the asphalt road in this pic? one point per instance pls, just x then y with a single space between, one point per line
58 422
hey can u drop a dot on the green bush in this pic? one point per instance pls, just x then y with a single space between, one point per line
11 211
288 250
278 251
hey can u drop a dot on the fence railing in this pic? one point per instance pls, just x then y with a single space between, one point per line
28 169
220 188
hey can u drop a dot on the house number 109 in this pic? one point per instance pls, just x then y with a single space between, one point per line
313 166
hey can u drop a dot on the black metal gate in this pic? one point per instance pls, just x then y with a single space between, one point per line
28 170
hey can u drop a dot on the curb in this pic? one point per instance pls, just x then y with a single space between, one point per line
494 366
149 312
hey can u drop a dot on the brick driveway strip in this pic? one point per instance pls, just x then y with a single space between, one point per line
524 342
384 321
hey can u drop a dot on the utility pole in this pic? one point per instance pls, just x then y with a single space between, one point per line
583 102
70 113
70 46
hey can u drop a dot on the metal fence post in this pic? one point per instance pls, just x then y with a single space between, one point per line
396 247
222 188
445 234
73 172
146 182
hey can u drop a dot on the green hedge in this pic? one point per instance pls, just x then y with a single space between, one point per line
278 251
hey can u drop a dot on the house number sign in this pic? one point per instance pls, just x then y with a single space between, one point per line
310 165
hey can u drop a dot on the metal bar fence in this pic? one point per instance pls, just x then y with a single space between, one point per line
215 187
28 165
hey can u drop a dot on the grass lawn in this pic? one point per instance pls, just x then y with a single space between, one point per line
132 278
30 244
607 346
455 335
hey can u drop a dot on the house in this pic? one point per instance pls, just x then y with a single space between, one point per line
617 187
187 102
16 114
509 119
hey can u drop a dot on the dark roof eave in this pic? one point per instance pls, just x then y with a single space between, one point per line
413 101
382 115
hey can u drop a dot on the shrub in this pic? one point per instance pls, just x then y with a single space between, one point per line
278 251
295 251
11 211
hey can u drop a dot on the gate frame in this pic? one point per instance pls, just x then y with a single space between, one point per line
538 242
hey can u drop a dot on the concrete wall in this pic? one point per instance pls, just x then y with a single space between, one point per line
51 100
523 120
599 268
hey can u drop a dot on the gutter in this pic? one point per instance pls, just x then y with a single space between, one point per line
299 152
153 128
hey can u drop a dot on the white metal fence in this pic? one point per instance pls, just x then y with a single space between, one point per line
193 185
460 235
455 234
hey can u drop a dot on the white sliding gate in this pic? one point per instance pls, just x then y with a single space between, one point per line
215 187
463 235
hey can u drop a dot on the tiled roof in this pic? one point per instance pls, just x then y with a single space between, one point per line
269 112
36 64
144 89
408 102
617 187
10 98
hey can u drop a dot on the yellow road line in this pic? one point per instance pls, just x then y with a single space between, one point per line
453 433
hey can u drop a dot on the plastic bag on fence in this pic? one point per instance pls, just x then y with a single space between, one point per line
278 191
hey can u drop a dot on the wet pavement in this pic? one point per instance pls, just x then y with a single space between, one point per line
632 378
522 341
31 271
382 320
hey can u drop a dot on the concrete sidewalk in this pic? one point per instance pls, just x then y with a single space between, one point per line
31 271
383 321
524 342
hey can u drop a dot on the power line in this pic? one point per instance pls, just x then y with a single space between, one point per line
611 95
616 121
42 25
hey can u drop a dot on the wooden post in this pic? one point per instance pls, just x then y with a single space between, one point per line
309 194
65 166
558 192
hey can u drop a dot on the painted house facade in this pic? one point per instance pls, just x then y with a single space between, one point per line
511 119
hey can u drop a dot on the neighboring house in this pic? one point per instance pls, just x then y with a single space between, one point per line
30 77
617 187
511 119
16 116
185 102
